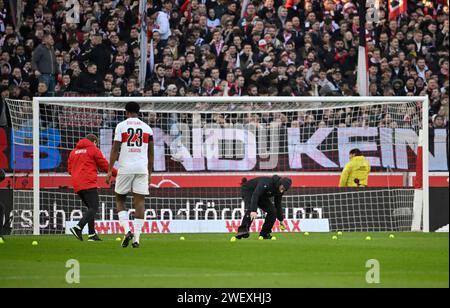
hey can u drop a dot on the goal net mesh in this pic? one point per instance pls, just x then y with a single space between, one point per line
203 150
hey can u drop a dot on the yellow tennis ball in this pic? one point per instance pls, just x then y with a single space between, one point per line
306 233
340 233
2 241
233 239
182 238
391 236
368 238
334 237
260 238
34 243
118 239
274 238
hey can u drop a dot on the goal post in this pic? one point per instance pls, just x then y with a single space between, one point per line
36 166
425 144
206 144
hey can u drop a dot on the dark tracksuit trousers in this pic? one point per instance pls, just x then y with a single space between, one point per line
264 204
91 200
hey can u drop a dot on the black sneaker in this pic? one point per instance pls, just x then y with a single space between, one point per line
94 238
77 233
135 245
242 233
127 239
266 236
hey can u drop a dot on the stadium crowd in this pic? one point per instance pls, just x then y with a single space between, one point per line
208 48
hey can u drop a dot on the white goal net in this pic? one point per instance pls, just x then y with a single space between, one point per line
205 146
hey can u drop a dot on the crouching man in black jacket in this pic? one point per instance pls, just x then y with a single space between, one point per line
258 193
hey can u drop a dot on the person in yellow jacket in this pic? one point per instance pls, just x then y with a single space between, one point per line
356 172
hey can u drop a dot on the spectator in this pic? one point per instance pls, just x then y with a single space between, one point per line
172 90
185 79
439 121
19 59
97 52
42 89
5 121
66 84
161 24
131 89
44 62
89 81
213 22
160 77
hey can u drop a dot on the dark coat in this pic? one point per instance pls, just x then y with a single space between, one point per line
89 84
263 189
100 55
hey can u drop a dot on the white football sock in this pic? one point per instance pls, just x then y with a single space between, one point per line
124 221
138 223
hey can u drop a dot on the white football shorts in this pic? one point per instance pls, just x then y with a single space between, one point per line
134 183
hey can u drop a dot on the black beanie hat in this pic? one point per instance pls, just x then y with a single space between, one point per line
286 182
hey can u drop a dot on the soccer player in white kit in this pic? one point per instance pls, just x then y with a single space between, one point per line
134 140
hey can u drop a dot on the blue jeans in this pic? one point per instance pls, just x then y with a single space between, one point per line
49 80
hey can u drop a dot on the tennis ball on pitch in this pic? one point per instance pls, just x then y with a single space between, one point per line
118 239
334 237
368 238
34 243
182 238
391 236
2 241
306 233
233 239
274 238
260 238
340 233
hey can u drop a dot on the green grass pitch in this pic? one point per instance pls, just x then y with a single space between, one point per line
211 261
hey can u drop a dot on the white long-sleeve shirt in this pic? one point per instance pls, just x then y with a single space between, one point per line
163 25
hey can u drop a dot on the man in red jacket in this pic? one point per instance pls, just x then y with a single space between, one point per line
84 161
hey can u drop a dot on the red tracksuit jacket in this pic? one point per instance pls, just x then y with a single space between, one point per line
84 161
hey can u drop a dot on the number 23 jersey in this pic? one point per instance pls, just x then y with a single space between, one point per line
134 135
